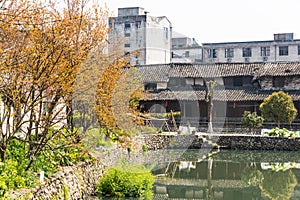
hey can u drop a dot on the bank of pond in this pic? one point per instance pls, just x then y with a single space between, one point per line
224 174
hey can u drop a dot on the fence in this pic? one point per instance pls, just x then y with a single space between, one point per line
226 124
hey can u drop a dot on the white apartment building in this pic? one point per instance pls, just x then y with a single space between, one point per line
150 36
185 49
284 48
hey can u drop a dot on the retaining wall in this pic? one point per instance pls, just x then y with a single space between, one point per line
222 141
76 182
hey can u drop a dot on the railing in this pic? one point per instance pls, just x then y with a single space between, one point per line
228 124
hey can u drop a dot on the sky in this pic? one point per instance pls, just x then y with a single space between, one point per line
222 20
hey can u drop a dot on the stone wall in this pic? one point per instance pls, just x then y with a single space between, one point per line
75 182
222 141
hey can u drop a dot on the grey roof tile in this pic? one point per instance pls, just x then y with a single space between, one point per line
219 95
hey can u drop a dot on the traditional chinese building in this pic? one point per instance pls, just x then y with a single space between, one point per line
240 87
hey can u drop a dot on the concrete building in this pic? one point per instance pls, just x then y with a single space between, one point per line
151 36
185 49
284 48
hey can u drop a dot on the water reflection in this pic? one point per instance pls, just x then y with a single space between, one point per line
230 175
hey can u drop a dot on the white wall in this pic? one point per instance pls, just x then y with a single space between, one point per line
158 43
256 52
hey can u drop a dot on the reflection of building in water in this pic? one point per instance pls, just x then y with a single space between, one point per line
225 180
187 165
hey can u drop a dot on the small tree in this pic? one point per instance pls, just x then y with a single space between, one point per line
279 107
252 120
42 45
209 94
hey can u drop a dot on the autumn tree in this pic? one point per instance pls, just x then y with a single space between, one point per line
118 93
279 107
41 48
85 87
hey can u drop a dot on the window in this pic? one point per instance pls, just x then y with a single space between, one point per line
150 87
187 54
298 49
127 45
278 81
138 24
247 52
127 26
166 33
229 53
127 34
264 51
283 50
212 53
238 81
176 81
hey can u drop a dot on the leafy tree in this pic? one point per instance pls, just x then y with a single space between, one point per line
117 98
279 107
252 120
85 90
41 48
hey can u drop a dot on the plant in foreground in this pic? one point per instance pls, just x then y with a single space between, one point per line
127 181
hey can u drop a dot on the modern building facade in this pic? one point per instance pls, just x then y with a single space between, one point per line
150 36
284 48
185 49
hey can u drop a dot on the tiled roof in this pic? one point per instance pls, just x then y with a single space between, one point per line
154 73
162 73
219 95
214 70
280 69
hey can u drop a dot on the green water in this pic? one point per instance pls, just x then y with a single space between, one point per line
229 175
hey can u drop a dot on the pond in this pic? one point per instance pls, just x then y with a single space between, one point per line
229 175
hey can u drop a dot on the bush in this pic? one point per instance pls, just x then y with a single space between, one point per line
127 181
14 173
97 137
279 107
277 132
252 120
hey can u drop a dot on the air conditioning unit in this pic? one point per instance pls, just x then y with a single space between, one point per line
265 58
229 60
247 59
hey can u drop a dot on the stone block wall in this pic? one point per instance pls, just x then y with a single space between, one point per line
75 182
222 141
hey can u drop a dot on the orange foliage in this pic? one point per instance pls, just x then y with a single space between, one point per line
118 93
42 45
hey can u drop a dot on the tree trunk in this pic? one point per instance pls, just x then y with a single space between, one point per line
2 154
209 189
210 116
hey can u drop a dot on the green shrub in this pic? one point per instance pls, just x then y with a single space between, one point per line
127 181
277 132
145 148
97 137
12 177
14 173
252 120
